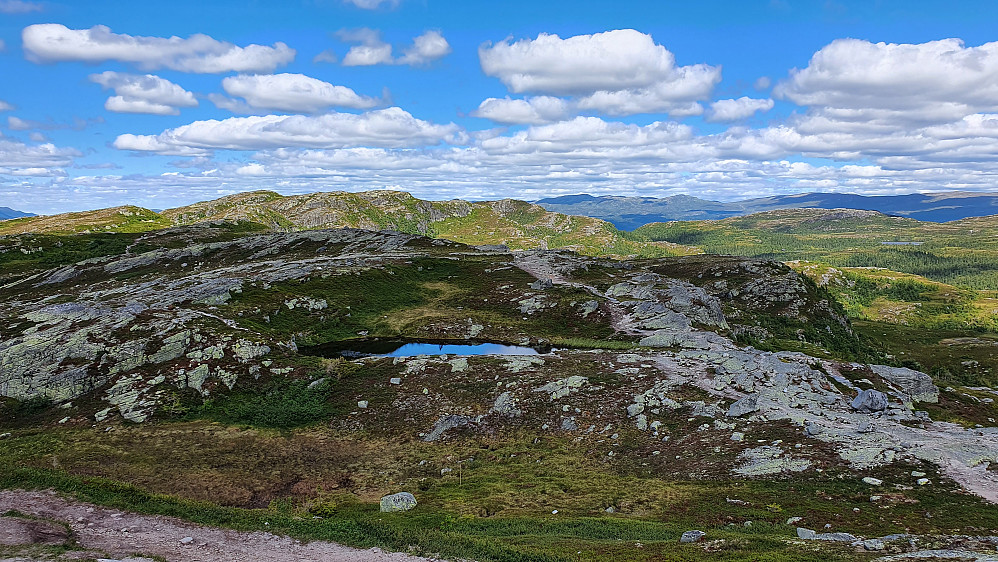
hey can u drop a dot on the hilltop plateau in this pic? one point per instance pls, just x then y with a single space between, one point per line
197 370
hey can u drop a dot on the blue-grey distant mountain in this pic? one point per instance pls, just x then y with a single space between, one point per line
628 213
8 213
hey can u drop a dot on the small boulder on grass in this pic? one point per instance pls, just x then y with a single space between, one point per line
692 536
402 501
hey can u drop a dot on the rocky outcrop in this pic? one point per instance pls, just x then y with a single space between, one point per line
917 386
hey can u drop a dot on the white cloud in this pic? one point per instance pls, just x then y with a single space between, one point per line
293 93
630 102
4 106
3 46
373 4
531 111
425 48
370 51
762 83
326 56
620 72
15 155
735 109
19 7
143 93
908 84
391 127
18 124
198 53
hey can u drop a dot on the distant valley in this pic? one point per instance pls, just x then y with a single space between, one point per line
629 213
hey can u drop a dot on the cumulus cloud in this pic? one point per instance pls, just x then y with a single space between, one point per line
735 109
371 49
52 42
143 93
293 93
532 110
425 48
620 72
391 127
19 7
4 106
15 155
938 81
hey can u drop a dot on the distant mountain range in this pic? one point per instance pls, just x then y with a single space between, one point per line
8 213
628 213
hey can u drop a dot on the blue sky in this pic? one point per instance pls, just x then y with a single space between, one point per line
161 104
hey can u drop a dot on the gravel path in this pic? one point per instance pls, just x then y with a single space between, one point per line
123 534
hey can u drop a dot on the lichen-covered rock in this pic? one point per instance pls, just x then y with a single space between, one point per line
505 405
562 388
445 423
811 535
869 401
402 501
768 459
743 406
916 384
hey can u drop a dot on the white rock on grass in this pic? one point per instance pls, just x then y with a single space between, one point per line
402 501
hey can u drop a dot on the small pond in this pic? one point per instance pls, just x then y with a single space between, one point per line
409 348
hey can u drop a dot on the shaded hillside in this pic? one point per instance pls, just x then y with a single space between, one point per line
7 213
629 213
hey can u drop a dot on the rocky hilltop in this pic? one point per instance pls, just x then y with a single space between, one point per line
206 362
653 350
517 224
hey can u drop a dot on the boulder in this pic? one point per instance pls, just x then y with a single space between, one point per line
402 501
916 384
692 536
810 535
743 406
869 401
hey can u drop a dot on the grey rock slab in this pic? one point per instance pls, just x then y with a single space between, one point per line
811 535
744 406
916 384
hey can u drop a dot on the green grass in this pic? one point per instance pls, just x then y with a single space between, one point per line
430 530
496 507
962 253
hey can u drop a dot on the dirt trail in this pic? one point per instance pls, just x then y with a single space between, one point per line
543 270
123 534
